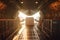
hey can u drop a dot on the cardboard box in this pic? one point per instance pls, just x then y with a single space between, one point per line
29 21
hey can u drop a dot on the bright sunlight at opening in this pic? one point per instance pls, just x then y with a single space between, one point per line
23 31
22 16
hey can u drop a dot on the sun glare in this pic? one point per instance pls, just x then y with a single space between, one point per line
22 16
23 30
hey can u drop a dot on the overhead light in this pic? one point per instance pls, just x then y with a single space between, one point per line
22 2
36 2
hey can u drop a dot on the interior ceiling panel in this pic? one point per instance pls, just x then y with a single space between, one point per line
2 6
31 4
28 4
55 5
14 5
